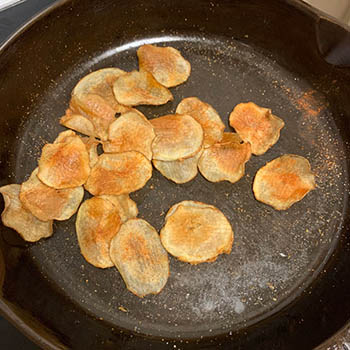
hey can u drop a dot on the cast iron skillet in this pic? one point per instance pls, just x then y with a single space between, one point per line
286 284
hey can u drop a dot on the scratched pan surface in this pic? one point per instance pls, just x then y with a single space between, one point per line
283 267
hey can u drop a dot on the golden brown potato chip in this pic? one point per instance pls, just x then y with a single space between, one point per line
119 173
166 64
256 125
47 203
206 116
126 206
98 221
284 181
140 88
196 232
64 164
140 258
78 123
225 160
179 171
15 216
177 137
91 146
130 132
93 98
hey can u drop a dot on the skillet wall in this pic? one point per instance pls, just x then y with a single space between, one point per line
80 30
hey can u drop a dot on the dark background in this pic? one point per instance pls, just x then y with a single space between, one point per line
10 20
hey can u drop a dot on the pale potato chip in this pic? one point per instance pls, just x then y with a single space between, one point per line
196 233
130 132
126 206
140 258
64 164
93 98
225 160
20 219
140 88
119 173
98 221
166 64
256 125
47 203
284 181
91 146
206 116
177 137
179 171
78 123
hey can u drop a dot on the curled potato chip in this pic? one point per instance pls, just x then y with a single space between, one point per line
179 171
91 146
78 123
284 181
177 137
166 64
195 232
126 206
195 204
140 258
225 160
65 163
98 221
119 173
93 98
130 132
47 203
17 217
206 116
256 125
140 88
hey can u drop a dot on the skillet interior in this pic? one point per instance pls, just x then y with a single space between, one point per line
282 272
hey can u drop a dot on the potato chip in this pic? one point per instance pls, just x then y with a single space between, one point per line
284 181
195 232
195 204
130 132
140 258
119 173
47 203
93 98
127 208
140 88
225 160
166 64
98 221
179 171
78 123
177 137
64 164
206 116
91 146
20 219
256 125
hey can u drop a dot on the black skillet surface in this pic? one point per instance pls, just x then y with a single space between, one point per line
285 285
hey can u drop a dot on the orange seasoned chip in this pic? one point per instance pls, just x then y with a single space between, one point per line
47 203
65 163
225 160
177 137
256 125
119 173
17 217
130 132
284 181
140 88
206 116
78 123
166 64
98 221
140 258
196 232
